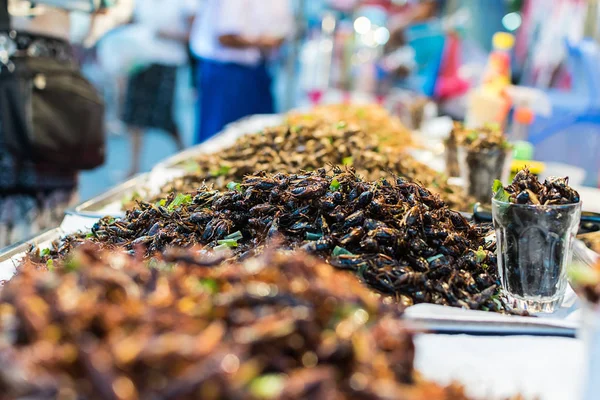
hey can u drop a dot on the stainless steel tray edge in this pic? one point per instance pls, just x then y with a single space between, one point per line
89 208
23 246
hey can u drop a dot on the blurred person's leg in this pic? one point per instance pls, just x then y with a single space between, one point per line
229 92
136 150
149 101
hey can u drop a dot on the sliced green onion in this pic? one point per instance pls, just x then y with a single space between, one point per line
161 203
221 247
179 200
234 236
340 251
228 242
313 236
335 185
347 161
436 257
50 265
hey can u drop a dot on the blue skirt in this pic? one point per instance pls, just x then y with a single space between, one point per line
229 92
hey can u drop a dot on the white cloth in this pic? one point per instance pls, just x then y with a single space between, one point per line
497 367
248 18
168 16
139 44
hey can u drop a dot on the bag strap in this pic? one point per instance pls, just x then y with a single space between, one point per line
5 24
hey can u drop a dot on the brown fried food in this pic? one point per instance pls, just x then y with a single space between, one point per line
395 235
106 326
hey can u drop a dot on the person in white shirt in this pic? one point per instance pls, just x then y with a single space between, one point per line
234 40
158 42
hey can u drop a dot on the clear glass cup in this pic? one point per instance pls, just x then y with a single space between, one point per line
479 168
535 246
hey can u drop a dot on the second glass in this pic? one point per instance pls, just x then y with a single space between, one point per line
535 245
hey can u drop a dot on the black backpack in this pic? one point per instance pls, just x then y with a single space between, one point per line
49 113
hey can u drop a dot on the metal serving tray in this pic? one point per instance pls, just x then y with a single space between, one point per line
424 317
12 255
110 202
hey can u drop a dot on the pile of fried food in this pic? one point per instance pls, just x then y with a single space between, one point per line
485 138
527 189
398 237
366 138
103 325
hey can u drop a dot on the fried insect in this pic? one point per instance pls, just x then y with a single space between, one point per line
409 233
106 326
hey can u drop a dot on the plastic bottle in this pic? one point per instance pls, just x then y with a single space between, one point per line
497 73
489 103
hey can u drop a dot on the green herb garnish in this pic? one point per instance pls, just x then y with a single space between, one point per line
347 161
228 242
480 255
313 236
335 185
340 251
237 235
180 200
234 186
209 285
50 265
221 247
267 386
341 125
499 192
45 252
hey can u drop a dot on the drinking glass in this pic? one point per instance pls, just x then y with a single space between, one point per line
535 246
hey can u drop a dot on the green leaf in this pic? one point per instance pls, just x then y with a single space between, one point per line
341 125
45 252
339 251
335 185
180 200
161 203
347 161
267 386
209 285
234 186
471 137
90 235
228 242
499 192
50 265
313 236
222 171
